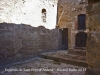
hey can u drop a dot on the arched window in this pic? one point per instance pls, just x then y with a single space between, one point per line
81 21
44 15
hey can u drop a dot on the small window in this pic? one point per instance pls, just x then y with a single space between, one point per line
81 21
53 5
44 15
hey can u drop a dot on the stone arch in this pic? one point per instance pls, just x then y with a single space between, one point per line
81 21
80 39
43 15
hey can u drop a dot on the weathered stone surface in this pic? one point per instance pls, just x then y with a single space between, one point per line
65 57
40 66
23 41
29 12
93 42
92 72
22 30
68 12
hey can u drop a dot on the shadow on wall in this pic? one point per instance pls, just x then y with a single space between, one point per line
21 41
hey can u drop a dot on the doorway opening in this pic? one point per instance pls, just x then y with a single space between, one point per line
80 40
65 38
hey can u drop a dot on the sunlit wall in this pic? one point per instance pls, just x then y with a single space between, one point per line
29 12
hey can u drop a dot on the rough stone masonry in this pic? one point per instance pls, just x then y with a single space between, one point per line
23 31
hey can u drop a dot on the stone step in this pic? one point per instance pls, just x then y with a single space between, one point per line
77 52
68 59
75 57
81 48
64 47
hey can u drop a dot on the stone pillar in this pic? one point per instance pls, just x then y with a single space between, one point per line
69 38
93 41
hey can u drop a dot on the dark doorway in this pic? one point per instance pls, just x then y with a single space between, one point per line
81 21
65 38
81 39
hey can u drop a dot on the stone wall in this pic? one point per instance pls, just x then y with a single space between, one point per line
93 43
19 41
23 33
29 12
68 11
93 47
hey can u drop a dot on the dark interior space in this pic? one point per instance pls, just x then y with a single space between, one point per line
81 21
65 38
81 39
93 1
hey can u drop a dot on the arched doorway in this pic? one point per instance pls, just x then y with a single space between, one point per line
81 21
81 39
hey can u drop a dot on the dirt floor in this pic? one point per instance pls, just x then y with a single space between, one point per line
41 66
